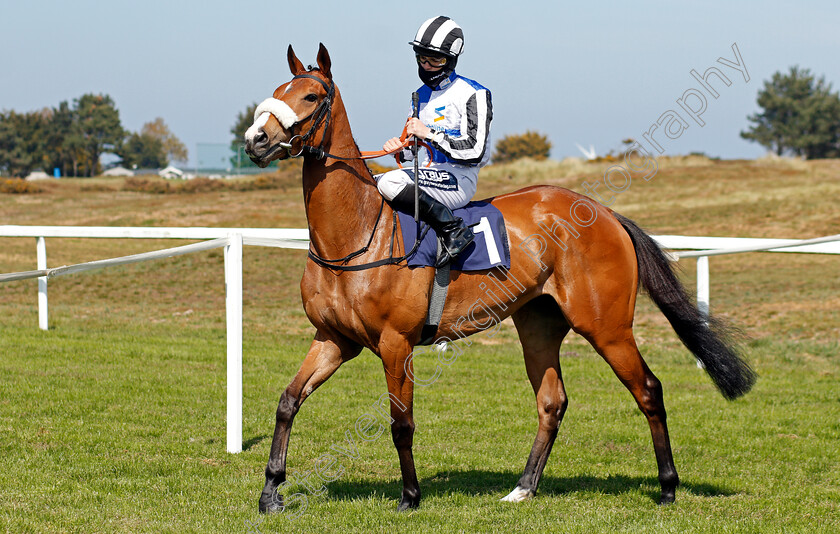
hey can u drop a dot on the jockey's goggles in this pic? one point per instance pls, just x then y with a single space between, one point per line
434 61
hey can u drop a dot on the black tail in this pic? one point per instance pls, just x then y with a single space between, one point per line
706 337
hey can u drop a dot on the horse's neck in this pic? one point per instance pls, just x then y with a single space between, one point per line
341 198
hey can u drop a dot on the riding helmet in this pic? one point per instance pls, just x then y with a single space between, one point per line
439 35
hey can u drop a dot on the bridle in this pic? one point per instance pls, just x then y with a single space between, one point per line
322 113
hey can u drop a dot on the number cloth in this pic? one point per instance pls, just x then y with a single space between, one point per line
490 248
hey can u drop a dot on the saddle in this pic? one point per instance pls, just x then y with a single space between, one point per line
489 249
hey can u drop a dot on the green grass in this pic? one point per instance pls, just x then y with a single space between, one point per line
114 419
108 430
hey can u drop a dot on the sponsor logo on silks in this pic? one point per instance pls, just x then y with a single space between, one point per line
438 179
439 112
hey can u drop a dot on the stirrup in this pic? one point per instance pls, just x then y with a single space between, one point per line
459 240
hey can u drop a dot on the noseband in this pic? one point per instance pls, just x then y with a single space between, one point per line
296 146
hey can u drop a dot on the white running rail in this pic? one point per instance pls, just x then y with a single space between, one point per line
233 239
716 246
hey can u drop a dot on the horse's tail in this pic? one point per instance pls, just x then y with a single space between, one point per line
706 337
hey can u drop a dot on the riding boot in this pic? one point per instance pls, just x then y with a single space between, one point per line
455 236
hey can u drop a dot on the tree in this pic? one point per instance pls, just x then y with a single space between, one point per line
244 120
6 142
64 142
73 138
59 137
100 128
23 141
173 148
527 145
800 115
143 150
152 147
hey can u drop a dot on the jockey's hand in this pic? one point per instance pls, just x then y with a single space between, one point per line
416 128
392 144
413 127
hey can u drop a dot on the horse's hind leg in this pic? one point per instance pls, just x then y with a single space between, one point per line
618 348
541 328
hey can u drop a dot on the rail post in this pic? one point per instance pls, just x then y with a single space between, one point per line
233 308
43 303
703 284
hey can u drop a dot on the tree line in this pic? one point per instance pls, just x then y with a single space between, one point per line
73 136
800 115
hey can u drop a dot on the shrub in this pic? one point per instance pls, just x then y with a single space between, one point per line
17 186
143 185
528 145
205 185
200 184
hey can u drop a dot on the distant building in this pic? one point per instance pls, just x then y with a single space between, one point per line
38 175
118 171
171 173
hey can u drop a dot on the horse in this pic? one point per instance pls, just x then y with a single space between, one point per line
583 278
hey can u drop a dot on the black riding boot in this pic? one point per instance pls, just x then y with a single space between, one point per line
453 233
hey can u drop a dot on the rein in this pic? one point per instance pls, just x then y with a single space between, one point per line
390 260
296 146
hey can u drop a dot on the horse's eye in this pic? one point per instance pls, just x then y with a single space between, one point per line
311 97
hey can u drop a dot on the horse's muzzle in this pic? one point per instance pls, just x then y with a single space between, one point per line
262 153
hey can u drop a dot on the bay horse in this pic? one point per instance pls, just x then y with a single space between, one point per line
584 279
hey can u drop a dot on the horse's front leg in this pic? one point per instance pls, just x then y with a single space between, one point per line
324 357
401 393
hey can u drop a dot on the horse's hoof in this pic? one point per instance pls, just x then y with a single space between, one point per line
408 503
666 499
271 504
518 495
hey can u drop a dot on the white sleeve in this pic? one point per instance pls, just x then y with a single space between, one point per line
469 148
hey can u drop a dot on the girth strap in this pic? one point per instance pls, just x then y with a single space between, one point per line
440 287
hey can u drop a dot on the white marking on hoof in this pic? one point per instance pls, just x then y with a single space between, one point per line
518 495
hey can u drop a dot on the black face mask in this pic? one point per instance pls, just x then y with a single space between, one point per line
433 78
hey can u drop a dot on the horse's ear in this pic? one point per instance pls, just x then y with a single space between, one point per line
324 62
294 63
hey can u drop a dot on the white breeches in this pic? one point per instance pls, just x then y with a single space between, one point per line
452 185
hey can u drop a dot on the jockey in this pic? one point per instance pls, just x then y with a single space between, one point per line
455 115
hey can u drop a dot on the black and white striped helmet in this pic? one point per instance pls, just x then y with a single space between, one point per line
441 35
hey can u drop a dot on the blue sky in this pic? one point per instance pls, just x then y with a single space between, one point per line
583 72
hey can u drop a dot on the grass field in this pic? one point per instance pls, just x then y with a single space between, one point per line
114 420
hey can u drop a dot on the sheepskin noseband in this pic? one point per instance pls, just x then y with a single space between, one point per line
279 109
